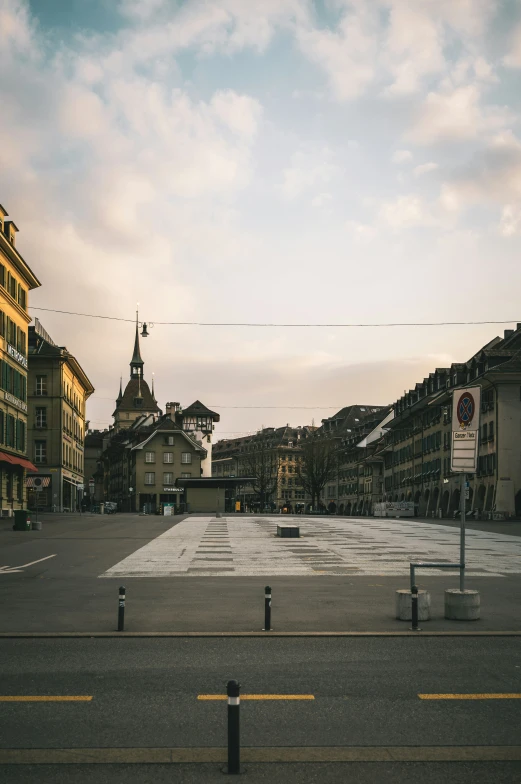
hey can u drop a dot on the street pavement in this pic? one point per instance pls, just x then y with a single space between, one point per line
201 574
363 702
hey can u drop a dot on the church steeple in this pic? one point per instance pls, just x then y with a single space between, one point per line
120 396
136 364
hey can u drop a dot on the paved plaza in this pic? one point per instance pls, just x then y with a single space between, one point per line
249 547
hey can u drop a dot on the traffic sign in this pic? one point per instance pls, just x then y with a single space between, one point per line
465 429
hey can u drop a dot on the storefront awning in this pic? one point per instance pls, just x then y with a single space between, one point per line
20 461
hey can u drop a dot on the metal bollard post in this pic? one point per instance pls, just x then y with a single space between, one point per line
267 609
414 609
121 609
233 689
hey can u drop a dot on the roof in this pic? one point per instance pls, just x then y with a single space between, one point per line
39 347
133 389
215 481
199 409
136 356
165 425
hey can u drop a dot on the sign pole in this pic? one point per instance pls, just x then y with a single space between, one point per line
463 502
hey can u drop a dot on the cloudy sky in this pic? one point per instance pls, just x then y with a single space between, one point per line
265 161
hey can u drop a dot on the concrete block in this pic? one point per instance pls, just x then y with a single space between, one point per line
462 605
287 531
36 526
404 605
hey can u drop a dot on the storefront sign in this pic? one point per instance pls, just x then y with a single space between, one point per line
173 489
17 356
15 402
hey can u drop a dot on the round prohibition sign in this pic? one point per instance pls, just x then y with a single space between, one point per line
465 409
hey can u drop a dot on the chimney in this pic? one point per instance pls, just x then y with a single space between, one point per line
10 229
172 409
508 332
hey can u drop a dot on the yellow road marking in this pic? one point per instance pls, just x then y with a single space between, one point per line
469 696
258 697
43 698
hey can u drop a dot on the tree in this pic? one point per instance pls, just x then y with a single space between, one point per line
317 465
262 465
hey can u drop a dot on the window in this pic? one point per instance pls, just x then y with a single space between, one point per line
186 457
169 440
150 457
41 385
491 431
41 416
20 435
150 478
186 475
9 430
168 457
40 451
2 273
168 478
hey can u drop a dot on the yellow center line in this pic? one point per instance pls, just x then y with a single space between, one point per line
469 696
44 698
258 697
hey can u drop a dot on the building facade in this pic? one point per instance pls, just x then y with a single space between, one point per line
410 459
58 390
16 281
272 455
145 452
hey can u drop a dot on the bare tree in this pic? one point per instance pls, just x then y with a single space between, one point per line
317 465
262 465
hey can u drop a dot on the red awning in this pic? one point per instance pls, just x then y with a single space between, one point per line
21 461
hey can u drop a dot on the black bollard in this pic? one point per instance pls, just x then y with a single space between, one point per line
233 689
267 609
414 609
121 609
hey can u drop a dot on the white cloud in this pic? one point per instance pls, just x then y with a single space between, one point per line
400 156
406 212
424 168
510 223
322 200
309 169
455 115
348 54
362 232
513 58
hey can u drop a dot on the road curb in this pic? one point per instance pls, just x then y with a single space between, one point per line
265 635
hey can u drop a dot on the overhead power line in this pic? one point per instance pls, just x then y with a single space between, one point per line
275 324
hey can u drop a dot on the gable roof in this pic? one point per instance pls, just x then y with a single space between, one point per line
199 409
165 425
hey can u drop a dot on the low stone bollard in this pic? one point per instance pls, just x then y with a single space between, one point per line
462 605
404 605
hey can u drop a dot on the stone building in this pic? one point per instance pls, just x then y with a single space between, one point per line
278 449
145 452
58 392
16 280
347 427
412 454
93 471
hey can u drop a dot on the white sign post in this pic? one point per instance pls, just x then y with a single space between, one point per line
466 406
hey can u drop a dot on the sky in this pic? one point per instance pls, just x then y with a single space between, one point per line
267 161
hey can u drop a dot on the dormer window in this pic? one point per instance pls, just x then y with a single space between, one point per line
138 402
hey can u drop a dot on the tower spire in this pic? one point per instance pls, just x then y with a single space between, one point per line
120 396
136 364
153 393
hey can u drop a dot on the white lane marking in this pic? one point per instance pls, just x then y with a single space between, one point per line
11 569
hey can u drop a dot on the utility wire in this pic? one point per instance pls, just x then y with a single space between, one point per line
268 324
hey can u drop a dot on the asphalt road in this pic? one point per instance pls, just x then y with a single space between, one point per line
366 695
64 593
